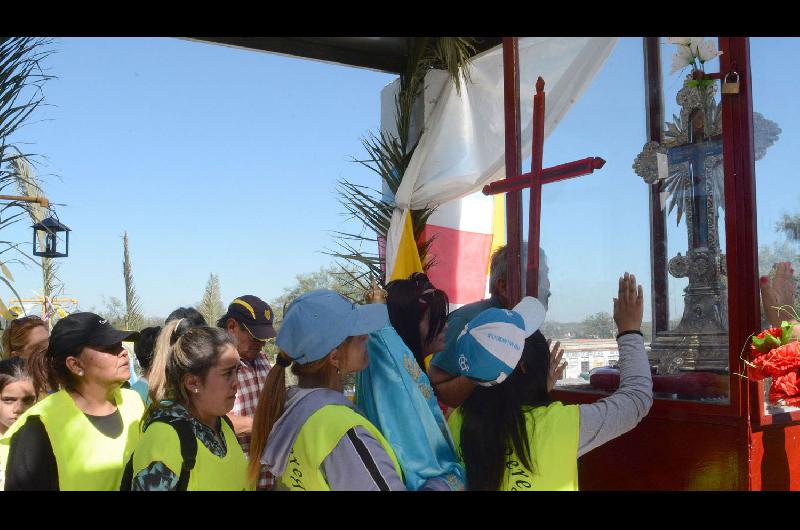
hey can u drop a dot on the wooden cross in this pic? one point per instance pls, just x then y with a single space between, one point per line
534 180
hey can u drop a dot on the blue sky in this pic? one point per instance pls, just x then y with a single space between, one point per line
214 159
222 160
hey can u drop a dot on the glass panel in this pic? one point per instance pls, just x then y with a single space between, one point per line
775 120
595 227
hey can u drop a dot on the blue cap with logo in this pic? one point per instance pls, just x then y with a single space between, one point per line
491 344
318 321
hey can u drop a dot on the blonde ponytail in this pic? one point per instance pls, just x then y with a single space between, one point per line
157 376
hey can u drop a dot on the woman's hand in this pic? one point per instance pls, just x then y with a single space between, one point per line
556 368
629 304
777 296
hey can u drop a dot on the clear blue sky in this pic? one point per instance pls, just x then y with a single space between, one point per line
214 159
223 160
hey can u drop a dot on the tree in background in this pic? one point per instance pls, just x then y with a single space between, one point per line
29 184
332 277
21 92
599 326
133 313
211 306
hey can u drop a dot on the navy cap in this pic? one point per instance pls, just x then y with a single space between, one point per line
254 313
318 321
75 331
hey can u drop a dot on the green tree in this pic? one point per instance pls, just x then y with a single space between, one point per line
22 81
133 314
211 306
332 277
599 326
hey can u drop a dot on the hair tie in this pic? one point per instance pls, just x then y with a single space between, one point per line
282 360
173 338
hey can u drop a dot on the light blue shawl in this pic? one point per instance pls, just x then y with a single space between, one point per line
396 396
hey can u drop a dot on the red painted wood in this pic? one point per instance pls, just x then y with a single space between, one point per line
558 173
513 166
663 454
535 207
775 458
658 216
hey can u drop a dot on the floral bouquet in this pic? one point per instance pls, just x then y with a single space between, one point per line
694 52
775 353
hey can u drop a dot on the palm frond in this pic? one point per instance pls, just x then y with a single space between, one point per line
389 156
133 311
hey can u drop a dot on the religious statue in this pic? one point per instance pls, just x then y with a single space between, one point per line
689 166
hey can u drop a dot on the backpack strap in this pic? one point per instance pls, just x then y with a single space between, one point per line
229 422
188 447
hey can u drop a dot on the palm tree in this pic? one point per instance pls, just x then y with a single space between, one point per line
133 312
389 156
21 83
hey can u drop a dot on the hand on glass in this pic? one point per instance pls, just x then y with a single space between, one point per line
556 367
629 304
777 295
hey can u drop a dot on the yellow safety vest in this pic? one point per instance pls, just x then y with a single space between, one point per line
160 443
553 433
87 460
318 436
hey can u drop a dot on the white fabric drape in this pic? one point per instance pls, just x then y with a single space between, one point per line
463 144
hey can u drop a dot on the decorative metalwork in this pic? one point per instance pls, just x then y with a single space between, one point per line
688 167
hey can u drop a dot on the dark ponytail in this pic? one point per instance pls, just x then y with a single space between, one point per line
494 421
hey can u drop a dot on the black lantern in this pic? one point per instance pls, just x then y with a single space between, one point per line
50 228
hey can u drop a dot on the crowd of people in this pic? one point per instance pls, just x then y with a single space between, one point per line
444 401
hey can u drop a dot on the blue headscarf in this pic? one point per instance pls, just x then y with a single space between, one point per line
396 396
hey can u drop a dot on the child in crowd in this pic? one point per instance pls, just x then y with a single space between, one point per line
16 396
309 436
511 435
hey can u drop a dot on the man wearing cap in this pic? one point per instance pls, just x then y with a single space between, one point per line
249 323
451 388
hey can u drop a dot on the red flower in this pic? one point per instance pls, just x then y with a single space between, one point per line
785 387
776 362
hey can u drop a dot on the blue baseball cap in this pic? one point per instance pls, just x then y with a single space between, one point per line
318 321
490 346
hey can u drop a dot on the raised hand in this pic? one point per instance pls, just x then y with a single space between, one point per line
777 295
556 367
629 304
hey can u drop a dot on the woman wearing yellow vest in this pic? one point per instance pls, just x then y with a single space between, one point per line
511 435
310 436
188 442
80 437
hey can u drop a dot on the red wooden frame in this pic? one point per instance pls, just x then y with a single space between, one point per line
735 444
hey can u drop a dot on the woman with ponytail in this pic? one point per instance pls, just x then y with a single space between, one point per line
309 436
187 441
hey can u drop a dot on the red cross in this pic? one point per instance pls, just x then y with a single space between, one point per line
534 180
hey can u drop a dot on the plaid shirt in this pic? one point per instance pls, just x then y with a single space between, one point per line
252 376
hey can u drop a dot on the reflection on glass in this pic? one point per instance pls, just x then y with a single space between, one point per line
777 194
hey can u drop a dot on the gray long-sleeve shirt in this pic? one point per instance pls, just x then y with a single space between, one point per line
620 412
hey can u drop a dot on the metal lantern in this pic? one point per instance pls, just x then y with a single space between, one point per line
49 228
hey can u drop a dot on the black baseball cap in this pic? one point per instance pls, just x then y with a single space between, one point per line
254 313
84 329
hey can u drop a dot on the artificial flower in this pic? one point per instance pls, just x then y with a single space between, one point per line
777 362
679 40
683 57
785 388
707 51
